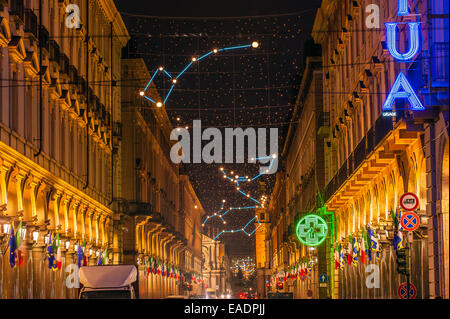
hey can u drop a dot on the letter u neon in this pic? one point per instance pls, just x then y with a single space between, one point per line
391 36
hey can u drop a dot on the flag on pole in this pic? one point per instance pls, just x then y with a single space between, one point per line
100 259
309 268
80 255
355 252
341 257
20 246
336 259
374 244
350 250
364 246
398 232
105 257
51 255
58 252
12 247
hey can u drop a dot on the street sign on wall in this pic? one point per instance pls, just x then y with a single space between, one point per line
410 221
409 201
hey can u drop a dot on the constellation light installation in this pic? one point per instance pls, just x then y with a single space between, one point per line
236 179
174 79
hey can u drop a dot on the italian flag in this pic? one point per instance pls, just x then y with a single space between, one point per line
158 271
105 257
364 247
58 253
350 251
19 245
336 259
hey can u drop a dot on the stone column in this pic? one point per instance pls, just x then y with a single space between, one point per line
38 256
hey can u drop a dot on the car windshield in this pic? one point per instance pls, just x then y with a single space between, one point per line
106 294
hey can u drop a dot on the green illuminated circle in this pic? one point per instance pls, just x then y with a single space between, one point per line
312 230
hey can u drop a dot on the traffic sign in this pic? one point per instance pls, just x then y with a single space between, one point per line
323 278
410 221
403 291
409 201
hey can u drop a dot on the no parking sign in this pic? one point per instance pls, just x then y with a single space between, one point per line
403 291
410 221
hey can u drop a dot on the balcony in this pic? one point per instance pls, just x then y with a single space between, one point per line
31 22
44 38
363 162
17 10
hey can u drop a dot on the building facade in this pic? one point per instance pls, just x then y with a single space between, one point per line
296 189
377 145
159 208
56 137
216 266
84 159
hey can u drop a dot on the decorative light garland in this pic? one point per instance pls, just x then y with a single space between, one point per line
260 204
174 79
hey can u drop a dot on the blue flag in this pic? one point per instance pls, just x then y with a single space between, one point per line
99 262
12 247
80 255
51 255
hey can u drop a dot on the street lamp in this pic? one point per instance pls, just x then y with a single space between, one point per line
6 228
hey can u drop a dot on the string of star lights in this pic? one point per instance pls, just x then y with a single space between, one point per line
174 79
260 203
245 265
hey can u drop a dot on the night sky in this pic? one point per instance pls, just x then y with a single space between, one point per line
241 88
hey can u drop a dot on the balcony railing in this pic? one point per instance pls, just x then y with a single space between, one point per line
17 9
31 22
374 136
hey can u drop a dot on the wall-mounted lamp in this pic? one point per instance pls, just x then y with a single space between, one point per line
67 245
47 239
6 228
35 236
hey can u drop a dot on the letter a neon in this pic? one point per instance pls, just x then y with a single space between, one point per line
402 83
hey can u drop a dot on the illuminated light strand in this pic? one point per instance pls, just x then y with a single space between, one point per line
254 44
217 214
241 229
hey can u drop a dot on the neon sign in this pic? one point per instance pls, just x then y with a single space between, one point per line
402 89
312 230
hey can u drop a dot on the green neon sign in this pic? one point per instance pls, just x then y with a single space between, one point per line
312 230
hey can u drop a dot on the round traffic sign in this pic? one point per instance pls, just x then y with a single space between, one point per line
409 201
410 221
403 291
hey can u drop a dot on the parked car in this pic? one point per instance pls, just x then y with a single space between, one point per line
108 282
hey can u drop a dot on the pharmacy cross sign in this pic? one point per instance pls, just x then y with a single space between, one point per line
312 230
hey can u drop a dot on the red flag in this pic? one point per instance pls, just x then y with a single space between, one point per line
84 260
350 251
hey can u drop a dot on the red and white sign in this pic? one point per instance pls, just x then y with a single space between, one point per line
410 221
409 201
403 291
